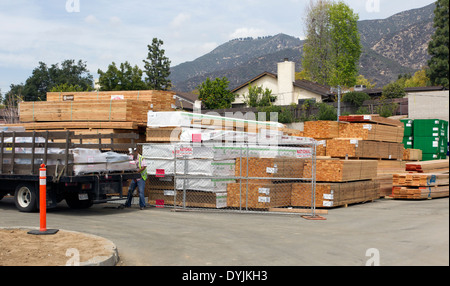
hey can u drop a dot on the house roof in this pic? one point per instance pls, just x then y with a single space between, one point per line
379 91
305 84
255 79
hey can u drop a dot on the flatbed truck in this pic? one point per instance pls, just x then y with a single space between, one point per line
22 154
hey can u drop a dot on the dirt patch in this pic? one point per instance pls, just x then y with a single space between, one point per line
18 248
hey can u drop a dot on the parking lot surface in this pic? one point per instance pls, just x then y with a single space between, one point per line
384 232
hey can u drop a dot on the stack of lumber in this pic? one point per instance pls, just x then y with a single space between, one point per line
428 166
386 169
373 132
85 111
354 148
417 186
159 100
339 183
258 195
274 169
412 155
321 130
336 170
335 194
371 119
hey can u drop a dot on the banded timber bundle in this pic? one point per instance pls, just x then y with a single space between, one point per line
192 199
412 155
322 129
270 168
373 132
371 119
111 111
428 166
258 196
330 195
420 193
159 100
420 180
336 170
354 148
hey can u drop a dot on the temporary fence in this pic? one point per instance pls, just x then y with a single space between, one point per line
233 177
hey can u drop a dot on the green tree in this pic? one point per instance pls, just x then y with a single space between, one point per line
356 98
332 48
44 78
393 90
14 95
258 96
157 67
215 94
125 77
438 47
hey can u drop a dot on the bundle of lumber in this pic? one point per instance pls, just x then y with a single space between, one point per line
274 169
336 170
335 194
354 148
258 196
373 132
192 199
428 166
386 169
109 111
371 119
412 155
321 130
420 180
159 100
420 193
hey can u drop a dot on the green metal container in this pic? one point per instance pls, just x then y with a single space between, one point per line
428 145
427 128
409 127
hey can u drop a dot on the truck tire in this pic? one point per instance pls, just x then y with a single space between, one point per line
74 203
26 198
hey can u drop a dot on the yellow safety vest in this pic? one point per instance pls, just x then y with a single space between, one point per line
144 172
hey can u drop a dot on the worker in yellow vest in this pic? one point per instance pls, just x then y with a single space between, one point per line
139 183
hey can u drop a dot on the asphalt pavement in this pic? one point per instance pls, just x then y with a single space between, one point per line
384 232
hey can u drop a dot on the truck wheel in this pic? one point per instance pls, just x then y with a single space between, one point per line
26 198
74 203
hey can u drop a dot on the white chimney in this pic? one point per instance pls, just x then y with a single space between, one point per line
286 79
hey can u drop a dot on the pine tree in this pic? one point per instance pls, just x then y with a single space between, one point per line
157 67
438 47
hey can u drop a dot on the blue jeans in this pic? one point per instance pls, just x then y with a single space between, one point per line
140 184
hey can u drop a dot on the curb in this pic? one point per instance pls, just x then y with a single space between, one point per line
111 260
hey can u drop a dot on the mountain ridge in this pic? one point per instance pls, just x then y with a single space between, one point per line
392 46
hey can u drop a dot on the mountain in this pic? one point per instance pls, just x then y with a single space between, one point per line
391 46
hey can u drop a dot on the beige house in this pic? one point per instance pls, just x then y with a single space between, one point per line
284 86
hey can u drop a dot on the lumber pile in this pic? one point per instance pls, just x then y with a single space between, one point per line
321 130
258 195
428 166
354 148
372 132
271 168
336 170
415 186
412 155
371 119
335 194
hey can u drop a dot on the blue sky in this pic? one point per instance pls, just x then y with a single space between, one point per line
101 32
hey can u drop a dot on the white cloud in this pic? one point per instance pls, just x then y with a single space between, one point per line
247 32
180 20
91 19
